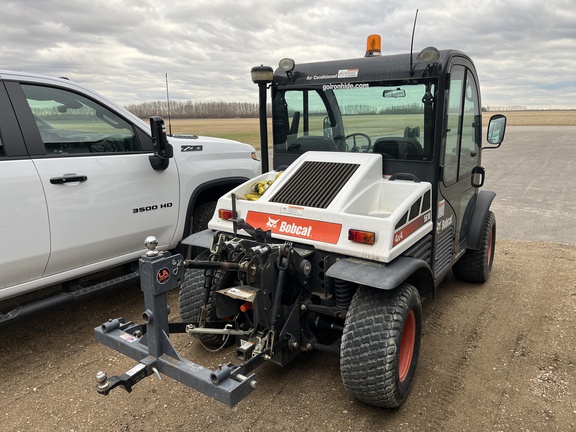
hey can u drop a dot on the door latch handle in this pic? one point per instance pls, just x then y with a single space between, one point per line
68 178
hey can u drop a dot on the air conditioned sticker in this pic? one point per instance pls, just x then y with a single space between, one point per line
296 227
348 73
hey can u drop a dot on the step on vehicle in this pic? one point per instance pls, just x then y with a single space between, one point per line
374 200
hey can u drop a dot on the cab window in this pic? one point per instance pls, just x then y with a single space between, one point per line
72 124
461 151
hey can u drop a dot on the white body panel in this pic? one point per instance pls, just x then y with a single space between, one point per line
366 202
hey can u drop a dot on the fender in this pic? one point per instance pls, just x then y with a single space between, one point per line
386 276
479 216
212 189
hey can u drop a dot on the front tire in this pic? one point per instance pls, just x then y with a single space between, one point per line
476 265
381 344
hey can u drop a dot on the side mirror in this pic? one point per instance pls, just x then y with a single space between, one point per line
496 130
327 128
163 150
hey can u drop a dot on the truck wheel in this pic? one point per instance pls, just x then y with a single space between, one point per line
380 344
476 265
191 299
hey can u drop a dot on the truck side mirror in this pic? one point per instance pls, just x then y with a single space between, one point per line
163 150
496 130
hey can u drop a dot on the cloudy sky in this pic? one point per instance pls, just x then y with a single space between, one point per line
524 50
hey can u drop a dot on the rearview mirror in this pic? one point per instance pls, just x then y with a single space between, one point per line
398 93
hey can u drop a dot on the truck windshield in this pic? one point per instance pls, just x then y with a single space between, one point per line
392 120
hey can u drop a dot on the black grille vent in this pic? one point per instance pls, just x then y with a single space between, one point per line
315 184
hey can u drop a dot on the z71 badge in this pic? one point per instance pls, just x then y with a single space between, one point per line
190 148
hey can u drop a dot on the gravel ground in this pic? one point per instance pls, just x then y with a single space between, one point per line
498 356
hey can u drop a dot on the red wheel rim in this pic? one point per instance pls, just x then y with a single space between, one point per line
490 246
407 345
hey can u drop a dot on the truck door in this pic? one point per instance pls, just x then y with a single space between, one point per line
103 196
461 154
23 214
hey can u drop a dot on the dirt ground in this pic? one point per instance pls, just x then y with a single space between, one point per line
494 357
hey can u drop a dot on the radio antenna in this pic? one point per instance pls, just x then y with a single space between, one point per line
412 43
168 101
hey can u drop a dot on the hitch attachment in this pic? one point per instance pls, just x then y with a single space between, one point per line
150 344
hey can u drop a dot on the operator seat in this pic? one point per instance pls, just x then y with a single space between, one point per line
398 148
314 143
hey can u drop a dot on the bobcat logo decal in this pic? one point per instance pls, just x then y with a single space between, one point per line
272 222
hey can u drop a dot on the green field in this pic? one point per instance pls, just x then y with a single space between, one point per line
248 130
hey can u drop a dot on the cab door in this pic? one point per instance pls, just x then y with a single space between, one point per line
103 197
462 142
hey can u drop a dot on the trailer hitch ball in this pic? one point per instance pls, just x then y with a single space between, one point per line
102 380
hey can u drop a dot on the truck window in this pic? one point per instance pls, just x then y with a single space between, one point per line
2 153
72 124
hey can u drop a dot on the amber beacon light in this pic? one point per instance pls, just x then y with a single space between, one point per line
373 45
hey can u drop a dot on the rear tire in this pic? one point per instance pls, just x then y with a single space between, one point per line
191 300
476 265
381 344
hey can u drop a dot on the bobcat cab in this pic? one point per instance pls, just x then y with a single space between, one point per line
422 114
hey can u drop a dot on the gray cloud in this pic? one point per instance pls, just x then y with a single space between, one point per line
523 49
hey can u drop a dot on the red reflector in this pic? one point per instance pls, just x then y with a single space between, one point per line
364 237
225 214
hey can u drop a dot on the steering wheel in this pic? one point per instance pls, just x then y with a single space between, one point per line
354 147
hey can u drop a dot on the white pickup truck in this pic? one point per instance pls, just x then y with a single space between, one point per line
83 182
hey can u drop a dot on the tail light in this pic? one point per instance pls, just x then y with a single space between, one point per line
225 214
364 237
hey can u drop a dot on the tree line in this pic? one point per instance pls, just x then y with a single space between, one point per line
190 109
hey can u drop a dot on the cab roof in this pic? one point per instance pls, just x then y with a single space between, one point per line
366 69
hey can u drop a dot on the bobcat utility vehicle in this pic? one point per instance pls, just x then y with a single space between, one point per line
374 200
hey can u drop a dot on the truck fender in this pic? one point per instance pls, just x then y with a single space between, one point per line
386 276
479 216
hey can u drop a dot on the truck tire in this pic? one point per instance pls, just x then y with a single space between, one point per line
476 265
191 299
380 344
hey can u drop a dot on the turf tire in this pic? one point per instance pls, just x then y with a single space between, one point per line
476 265
380 344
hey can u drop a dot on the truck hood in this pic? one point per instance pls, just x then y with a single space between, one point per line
337 202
